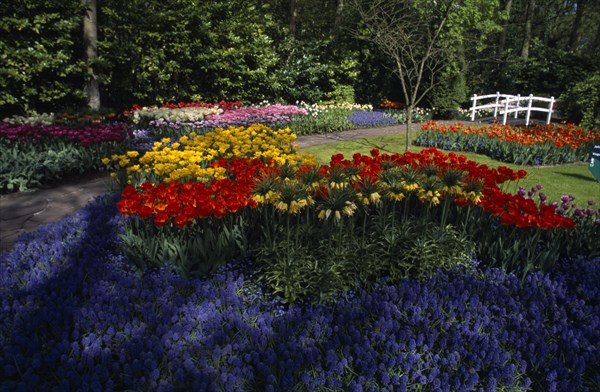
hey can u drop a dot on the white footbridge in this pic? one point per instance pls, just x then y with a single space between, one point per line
505 105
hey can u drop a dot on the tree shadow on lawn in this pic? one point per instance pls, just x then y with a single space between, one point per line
577 176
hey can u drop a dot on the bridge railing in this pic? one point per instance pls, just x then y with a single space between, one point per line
505 104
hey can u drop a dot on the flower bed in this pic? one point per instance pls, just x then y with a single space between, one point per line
272 115
179 112
302 118
75 316
307 223
364 119
191 156
355 275
535 145
33 154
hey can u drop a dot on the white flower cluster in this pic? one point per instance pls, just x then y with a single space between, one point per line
189 114
318 108
466 113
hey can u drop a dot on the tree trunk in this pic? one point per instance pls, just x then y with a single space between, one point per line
527 34
576 28
90 42
338 18
293 16
409 119
504 32
597 39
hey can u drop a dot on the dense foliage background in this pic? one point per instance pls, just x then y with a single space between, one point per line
158 51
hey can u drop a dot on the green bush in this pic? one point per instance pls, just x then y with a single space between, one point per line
581 102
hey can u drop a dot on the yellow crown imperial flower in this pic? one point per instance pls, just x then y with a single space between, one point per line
375 197
411 187
395 196
281 206
324 214
349 209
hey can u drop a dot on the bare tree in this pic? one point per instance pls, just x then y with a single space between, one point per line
411 37
90 42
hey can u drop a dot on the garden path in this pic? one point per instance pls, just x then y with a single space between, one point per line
22 212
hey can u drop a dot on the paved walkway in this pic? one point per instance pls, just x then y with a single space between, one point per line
23 212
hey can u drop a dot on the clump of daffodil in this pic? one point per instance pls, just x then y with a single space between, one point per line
341 176
266 190
473 189
309 176
287 171
411 179
410 187
429 170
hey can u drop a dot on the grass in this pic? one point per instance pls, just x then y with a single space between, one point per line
572 179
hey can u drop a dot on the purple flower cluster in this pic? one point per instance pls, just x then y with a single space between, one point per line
567 206
362 118
85 134
245 116
143 140
75 316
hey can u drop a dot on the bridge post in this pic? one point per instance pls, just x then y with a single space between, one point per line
518 106
527 116
474 99
549 118
505 111
496 106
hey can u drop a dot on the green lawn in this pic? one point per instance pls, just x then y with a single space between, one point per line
572 179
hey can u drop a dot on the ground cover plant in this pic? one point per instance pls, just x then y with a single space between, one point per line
74 315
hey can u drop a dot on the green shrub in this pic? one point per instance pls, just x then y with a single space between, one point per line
581 102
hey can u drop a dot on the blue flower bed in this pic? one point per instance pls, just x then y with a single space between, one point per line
74 316
361 118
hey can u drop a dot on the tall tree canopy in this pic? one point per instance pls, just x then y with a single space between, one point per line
39 54
154 51
177 49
